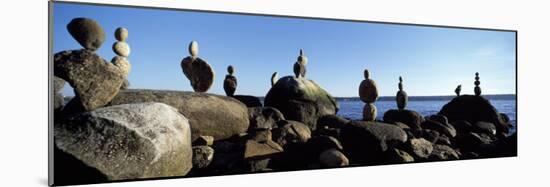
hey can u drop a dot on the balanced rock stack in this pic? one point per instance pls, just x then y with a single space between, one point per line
300 65
368 92
95 81
477 89
230 82
458 89
197 70
401 96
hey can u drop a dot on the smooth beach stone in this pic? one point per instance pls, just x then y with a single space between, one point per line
420 147
299 70
368 91
199 73
332 121
121 49
443 128
122 63
399 156
121 34
443 152
131 141
202 156
95 81
248 100
369 112
485 127
212 115
291 132
473 109
333 158
409 117
264 117
401 99
301 100
87 32
194 49
230 85
316 145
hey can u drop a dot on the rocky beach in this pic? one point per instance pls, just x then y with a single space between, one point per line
111 132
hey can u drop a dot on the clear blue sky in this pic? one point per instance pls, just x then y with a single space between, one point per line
432 61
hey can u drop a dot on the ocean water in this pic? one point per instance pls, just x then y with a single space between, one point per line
354 109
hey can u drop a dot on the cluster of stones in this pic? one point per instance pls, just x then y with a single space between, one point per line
368 92
477 89
197 70
300 65
401 97
230 82
122 49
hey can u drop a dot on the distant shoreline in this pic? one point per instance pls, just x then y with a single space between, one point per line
432 98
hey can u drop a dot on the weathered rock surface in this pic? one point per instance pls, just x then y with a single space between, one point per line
398 156
473 109
289 131
199 73
443 152
213 115
248 100
301 100
420 147
87 32
131 141
264 117
95 81
204 140
202 156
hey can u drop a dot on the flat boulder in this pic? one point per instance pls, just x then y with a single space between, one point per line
300 99
212 115
94 80
473 109
131 141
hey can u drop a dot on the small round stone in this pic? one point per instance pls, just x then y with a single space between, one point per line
230 70
366 74
369 112
87 32
194 49
121 49
368 91
122 63
121 34
333 158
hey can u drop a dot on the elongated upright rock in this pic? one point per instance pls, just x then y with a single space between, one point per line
300 65
401 97
230 82
197 70
274 78
477 89
458 89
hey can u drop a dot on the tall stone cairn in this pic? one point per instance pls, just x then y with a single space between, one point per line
300 65
121 49
401 97
230 82
477 89
368 93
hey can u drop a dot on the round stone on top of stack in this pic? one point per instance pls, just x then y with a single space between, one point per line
197 70
368 92
87 32
300 65
477 89
401 96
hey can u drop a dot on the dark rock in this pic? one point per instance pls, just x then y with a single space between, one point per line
443 152
131 141
257 155
365 142
442 128
248 100
332 121
87 32
318 144
301 100
212 115
462 127
199 73
472 140
261 135
411 118
504 117
72 171
95 81
289 131
439 118
264 117
473 109
430 135
230 85
204 140
484 127
396 156
202 156
333 158
58 102
443 140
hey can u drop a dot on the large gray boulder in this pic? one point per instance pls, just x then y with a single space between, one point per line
213 115
131 141
301 100
95 81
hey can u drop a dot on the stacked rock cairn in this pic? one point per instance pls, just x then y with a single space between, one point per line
401 96
300 65
368 92
458 89
197 70
122 49
477 89
230 82
274 78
